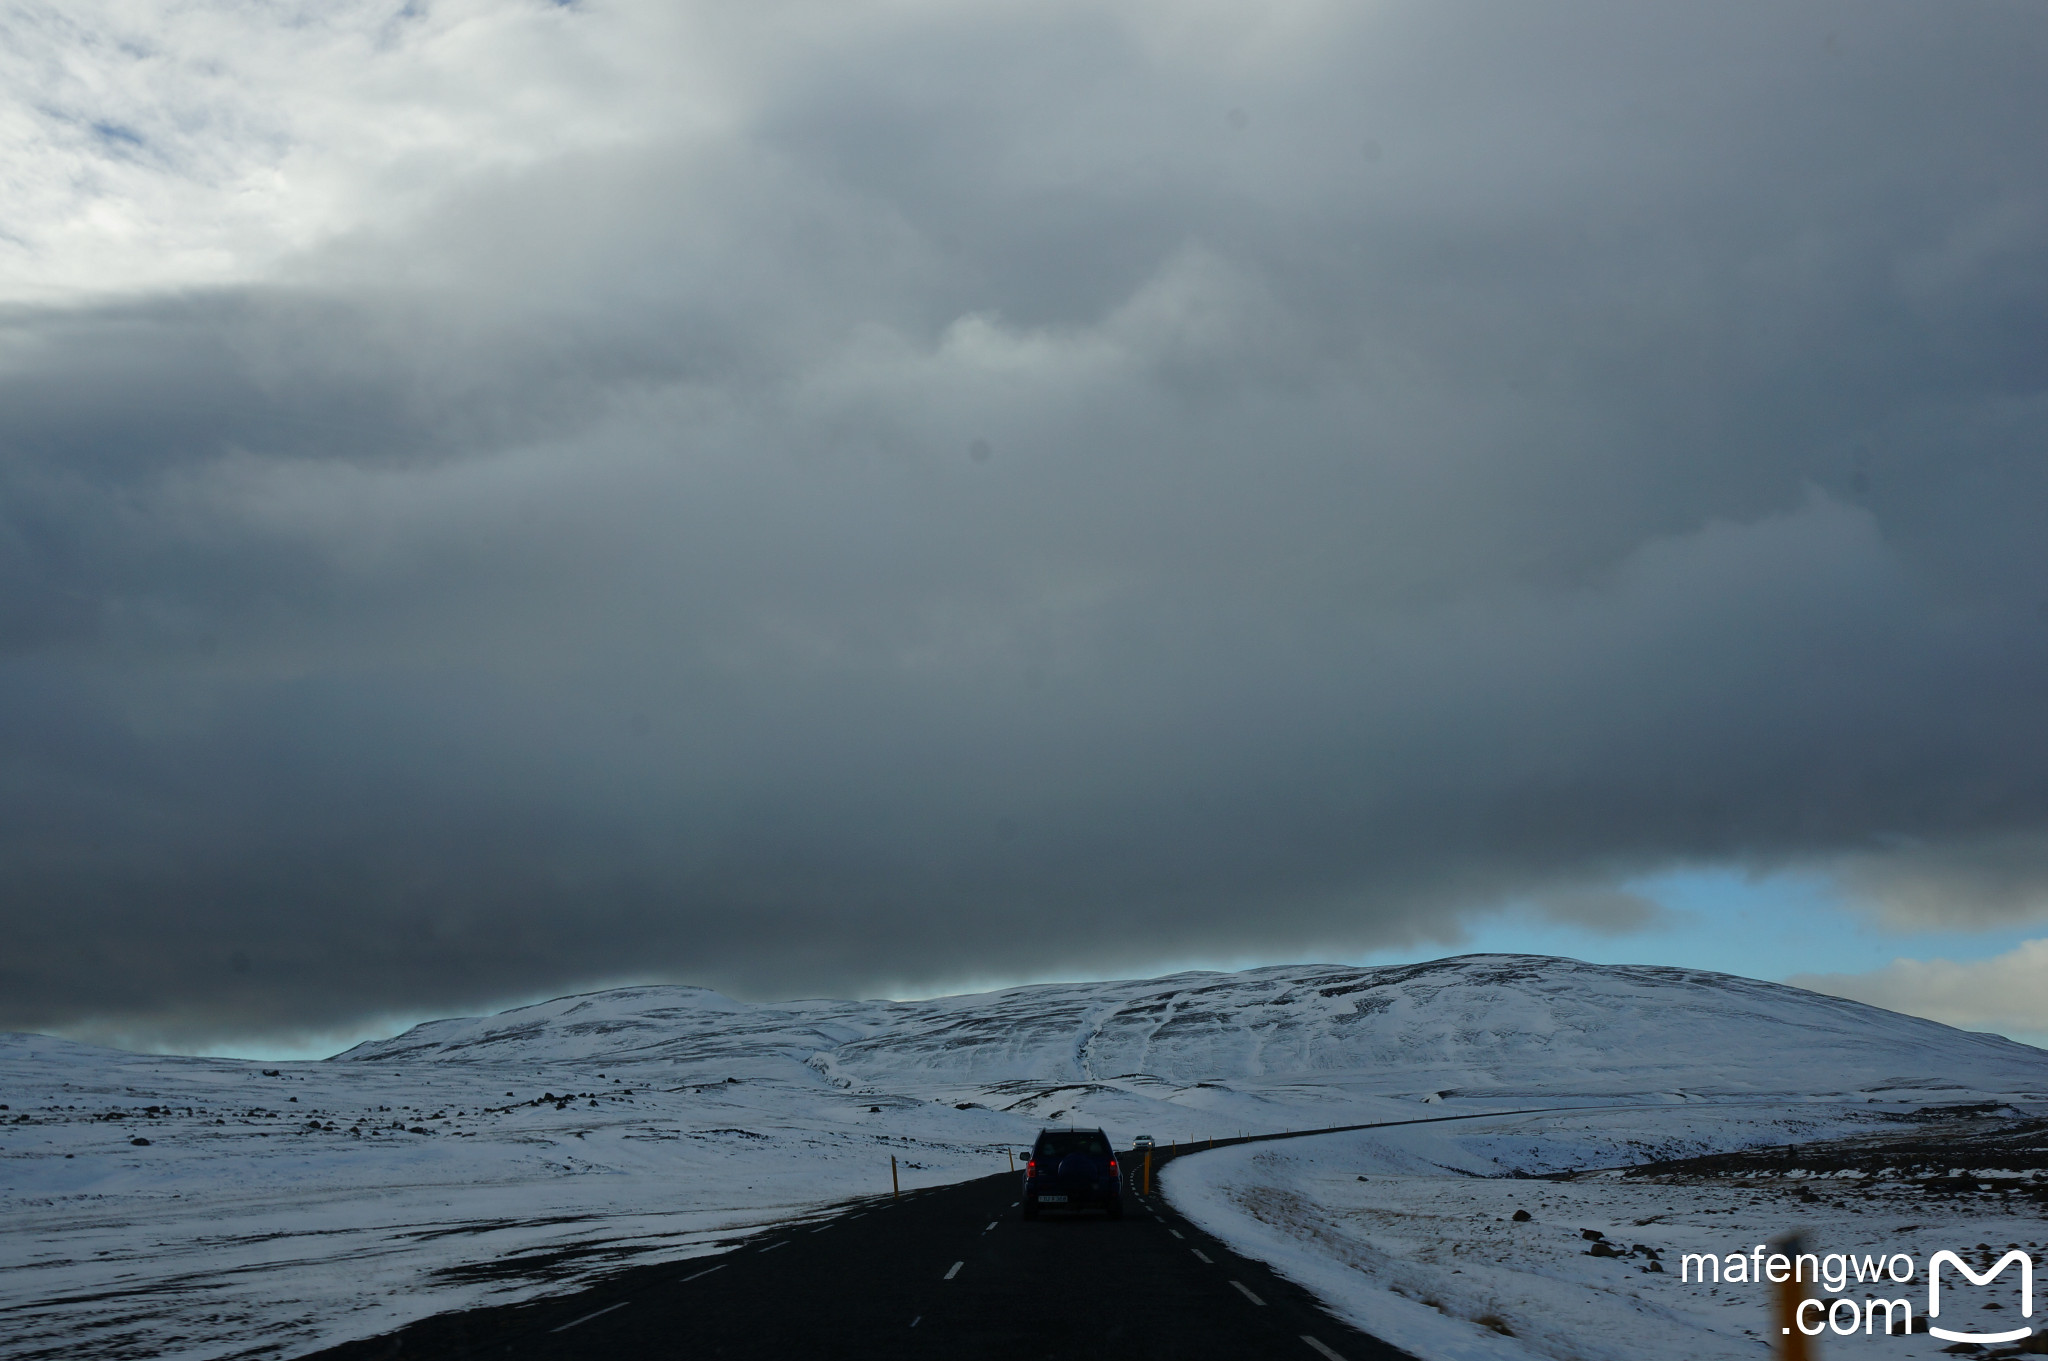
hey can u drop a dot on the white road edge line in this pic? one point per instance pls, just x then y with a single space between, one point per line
587 1317
1321 1348
1247 1293
954 1270
706 1272
1206 1262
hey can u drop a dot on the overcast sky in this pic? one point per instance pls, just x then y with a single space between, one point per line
500 498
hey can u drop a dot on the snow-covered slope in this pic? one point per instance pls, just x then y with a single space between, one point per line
1411 1232
1505 1026
298 1204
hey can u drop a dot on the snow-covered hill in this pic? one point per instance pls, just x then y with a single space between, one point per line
1502 1027
299 1204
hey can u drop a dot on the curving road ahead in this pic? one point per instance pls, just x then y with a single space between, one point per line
952 1272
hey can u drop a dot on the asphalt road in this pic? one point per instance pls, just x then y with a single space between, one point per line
952 1272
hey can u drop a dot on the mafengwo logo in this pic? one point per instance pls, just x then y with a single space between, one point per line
2026 1266
1840 1313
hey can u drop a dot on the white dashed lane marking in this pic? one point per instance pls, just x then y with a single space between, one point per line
587 1317
1175 1233
954 1270
1243 1291
1320 1348
991 1225
1206 1262
772 1246
706 1272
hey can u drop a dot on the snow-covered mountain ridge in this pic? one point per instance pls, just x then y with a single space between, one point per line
1478 1025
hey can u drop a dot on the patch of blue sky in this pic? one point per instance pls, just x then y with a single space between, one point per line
1767 926
118 141
115 132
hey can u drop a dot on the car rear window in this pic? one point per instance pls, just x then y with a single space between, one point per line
1060 1145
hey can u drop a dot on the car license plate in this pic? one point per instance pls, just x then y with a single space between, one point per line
1052 1200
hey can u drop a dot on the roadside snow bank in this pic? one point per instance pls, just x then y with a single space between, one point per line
1410 1234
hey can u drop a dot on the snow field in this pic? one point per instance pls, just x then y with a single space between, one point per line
278 1209
1428 1255
242 1227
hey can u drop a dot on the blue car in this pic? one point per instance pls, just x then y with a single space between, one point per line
1072 1169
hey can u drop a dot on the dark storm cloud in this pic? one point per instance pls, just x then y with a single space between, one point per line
997 511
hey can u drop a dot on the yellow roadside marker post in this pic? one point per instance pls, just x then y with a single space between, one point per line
895 1188
1011 1154
1148 1171
1792 1344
